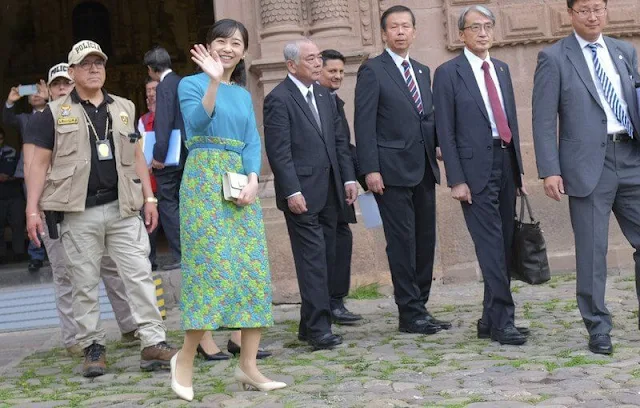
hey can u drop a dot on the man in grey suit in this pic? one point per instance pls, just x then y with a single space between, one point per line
586 82
481 151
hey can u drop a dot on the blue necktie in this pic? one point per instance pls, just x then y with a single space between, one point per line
610 93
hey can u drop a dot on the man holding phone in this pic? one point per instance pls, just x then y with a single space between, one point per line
10 118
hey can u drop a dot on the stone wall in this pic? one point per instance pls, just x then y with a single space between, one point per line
352 26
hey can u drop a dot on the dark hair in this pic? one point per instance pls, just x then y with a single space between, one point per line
570 3
225 28
332 55
149 80
158 59
397 9
2 132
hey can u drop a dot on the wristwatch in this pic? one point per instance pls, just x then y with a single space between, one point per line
151 200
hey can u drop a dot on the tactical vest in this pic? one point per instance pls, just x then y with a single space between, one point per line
68 179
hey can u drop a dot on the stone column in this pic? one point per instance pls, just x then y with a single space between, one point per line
281 18
330 17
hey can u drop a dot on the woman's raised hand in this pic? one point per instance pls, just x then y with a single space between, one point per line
209 62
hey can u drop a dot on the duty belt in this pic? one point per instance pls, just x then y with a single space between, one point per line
101 196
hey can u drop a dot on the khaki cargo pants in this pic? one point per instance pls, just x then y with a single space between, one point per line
89 235
62 285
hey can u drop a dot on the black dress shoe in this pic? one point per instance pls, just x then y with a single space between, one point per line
325 342
343 316
35 265
234 349
508 335
213 357
600 344
443 324
419 326
484 331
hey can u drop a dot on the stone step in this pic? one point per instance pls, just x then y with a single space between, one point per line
34 307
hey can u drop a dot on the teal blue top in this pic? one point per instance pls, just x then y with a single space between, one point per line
233 117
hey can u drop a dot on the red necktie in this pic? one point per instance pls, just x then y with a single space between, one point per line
496 107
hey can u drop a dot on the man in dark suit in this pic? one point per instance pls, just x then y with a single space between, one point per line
340 272
478 133
586 83
167 118
396 145
314 178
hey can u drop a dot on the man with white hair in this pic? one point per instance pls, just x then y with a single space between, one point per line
314 179
481 152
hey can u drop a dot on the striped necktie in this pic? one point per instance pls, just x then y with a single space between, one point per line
413 87
609 93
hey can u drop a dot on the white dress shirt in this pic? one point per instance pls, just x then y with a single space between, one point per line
476 66
398 60
165 73
304 90
613 124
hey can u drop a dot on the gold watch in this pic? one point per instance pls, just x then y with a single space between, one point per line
151 200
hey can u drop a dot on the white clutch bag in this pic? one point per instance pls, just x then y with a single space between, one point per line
232 185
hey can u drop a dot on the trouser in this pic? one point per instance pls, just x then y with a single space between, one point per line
619 190
490 220
409 221
12 213
168 194
63 289
36 253
89 235
313 245
340 271
153 243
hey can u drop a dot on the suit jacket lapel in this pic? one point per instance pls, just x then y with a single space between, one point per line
466 73
302 102
576 56
394 73
326 119
423 85
504 87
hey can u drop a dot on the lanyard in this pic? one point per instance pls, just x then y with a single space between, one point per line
90 125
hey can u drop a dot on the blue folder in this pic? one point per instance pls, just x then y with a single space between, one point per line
173 153
369 210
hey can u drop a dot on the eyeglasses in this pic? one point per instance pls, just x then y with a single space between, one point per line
86 65
475 28
599 12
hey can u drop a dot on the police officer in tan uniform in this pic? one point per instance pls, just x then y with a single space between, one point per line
60 84
98 180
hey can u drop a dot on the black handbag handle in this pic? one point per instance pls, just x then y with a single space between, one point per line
524 200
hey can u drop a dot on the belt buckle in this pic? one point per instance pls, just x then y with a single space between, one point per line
503 145
615 138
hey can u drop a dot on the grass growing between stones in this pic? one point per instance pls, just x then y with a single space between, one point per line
584 360
570 306
362 292
551 305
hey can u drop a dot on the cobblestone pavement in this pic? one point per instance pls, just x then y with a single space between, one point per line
376 367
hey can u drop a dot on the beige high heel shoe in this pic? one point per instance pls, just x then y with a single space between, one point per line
186 393
247 382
